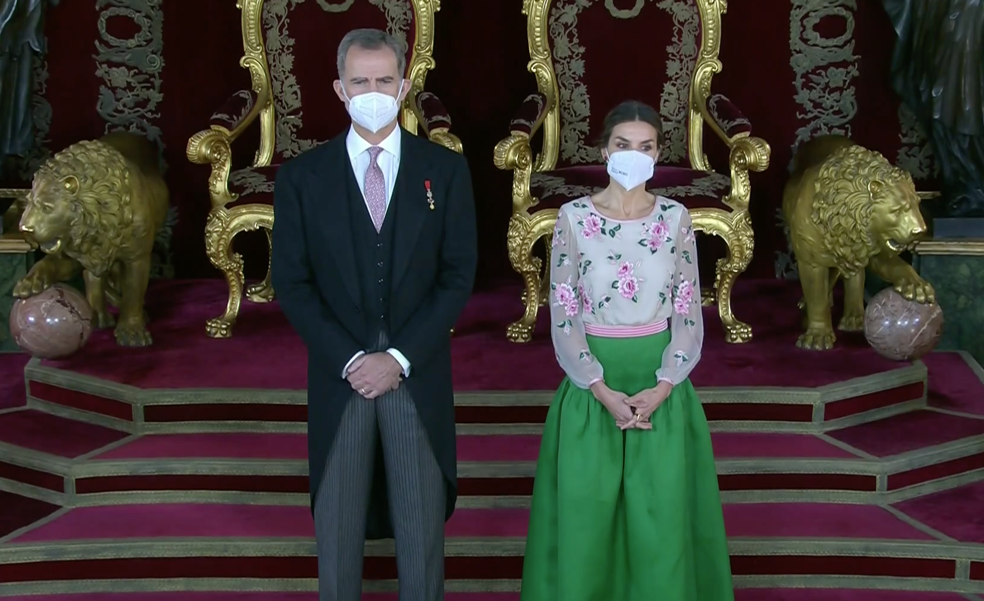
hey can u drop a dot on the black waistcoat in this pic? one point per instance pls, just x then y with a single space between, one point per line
374 258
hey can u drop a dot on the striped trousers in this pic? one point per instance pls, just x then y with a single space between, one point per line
416 500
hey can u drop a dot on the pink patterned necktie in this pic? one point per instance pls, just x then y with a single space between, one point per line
375 189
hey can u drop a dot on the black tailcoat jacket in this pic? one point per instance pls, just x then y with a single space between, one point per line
317 283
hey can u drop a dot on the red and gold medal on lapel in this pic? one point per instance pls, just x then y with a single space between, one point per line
430 195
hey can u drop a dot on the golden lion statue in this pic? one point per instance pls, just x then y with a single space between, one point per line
848 209
97 205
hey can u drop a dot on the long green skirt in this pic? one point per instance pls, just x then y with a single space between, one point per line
626 516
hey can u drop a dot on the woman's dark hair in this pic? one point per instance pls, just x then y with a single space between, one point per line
627 112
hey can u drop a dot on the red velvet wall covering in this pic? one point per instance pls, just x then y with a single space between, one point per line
788 81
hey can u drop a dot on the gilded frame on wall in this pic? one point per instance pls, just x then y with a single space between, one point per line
731 222
213 146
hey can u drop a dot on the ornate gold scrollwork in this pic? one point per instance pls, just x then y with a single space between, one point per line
515 154
223 225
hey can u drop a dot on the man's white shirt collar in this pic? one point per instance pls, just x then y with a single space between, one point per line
356 144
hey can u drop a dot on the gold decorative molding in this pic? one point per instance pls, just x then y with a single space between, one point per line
966 247
14 244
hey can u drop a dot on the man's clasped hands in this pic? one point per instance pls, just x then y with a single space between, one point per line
374 374
632 411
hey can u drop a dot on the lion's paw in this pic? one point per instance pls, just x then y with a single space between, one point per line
851 323
916 289
132 335
34 283
816 340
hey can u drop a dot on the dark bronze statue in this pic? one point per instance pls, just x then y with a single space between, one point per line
938 70
21 38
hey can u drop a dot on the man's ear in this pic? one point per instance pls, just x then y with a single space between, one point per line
339 91
407 84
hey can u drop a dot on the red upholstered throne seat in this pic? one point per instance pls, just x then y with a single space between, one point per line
289 49
589 55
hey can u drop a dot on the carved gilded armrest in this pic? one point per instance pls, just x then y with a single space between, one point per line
727 116
435 120
514 152
234 110
213 146
748 153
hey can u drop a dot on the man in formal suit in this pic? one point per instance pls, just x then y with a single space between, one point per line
374 254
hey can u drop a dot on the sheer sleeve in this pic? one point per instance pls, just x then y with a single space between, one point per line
686 324
567 331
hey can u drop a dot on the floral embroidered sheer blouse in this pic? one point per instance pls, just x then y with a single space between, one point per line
607 272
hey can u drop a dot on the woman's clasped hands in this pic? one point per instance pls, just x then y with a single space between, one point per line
632 411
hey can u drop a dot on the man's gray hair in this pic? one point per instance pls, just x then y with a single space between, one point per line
372 39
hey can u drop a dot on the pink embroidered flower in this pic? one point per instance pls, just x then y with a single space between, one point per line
566 298
657 233
625 270
683 297
585 298
686 290
591 226
628 287
681 306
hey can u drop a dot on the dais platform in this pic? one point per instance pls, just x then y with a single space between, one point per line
182 467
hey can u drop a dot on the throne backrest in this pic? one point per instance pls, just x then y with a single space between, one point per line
291 48
589 55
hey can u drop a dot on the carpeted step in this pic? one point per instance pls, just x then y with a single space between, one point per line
920 446
17 511
957 513
61 437
886 457
261 373
223 541
12 389
272 596
740 595
795 594
956 382
747 520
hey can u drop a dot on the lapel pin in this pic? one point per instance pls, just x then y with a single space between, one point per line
430 195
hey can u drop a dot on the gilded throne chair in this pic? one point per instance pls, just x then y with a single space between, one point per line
289 49
589 55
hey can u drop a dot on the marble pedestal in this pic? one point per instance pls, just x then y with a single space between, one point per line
16 258
955 267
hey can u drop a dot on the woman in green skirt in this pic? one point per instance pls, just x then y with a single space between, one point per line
626 504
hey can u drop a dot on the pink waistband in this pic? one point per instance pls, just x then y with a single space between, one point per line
648 329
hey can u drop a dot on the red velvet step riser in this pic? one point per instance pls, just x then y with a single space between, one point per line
456 568
475 486
120 410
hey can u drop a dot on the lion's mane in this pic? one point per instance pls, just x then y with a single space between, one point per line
102 212
843 203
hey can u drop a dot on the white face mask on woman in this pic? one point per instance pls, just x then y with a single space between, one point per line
631 168
373 110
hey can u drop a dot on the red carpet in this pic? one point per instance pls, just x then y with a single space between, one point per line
264 353
185 463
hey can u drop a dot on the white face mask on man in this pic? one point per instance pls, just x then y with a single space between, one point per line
631 168
373 110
